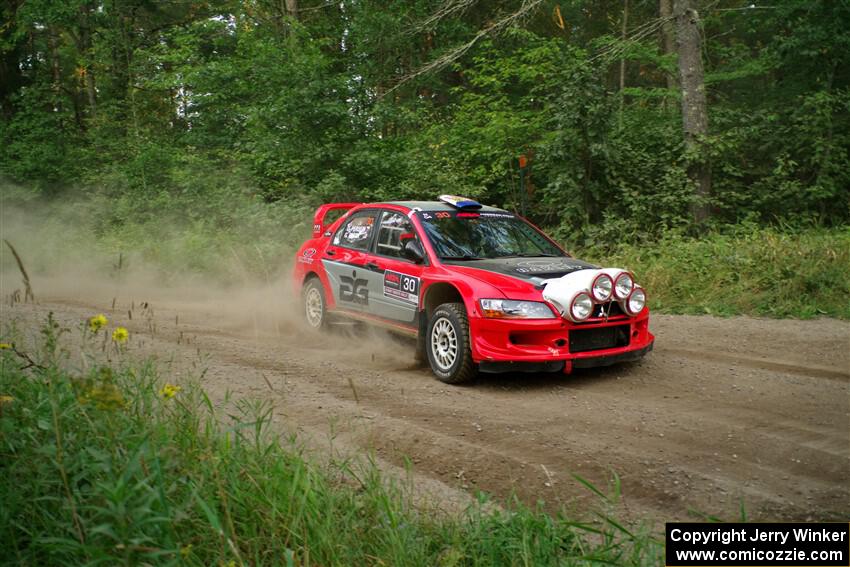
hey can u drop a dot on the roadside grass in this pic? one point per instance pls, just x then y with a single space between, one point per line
747 271
108 464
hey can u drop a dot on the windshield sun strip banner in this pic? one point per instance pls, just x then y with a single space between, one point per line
440 215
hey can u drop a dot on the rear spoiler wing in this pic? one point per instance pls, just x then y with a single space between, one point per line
322 212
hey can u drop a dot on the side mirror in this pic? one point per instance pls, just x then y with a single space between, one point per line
412 249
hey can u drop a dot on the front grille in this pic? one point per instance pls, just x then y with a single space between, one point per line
584 340
606 310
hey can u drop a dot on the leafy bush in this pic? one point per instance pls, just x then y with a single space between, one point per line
773 272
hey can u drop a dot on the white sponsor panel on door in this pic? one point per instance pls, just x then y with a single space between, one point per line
401 286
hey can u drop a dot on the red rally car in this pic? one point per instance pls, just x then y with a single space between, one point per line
480 288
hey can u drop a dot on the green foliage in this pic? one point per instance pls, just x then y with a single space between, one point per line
776 273
191 131
38 145
110 466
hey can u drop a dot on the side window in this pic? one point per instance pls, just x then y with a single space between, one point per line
356 232
393 225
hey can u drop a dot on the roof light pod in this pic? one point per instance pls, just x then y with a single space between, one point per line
460 202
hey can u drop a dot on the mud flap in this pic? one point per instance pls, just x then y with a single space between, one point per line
422 326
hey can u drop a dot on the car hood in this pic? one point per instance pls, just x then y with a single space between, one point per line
523 274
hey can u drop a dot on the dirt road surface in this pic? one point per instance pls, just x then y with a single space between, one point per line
724 412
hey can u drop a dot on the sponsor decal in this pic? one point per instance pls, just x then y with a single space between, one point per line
401 286
354 289
540 266
306 256
439 215
353 232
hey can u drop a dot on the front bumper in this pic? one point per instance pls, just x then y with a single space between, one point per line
500 345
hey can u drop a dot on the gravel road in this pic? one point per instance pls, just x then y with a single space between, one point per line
723 412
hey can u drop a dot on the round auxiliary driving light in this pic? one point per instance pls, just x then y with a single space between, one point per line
636 302
581 306
602 287
623 285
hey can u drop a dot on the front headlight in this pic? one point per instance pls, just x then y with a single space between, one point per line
511 309
636 302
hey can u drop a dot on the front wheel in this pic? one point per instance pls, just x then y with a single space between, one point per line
447 344
313 300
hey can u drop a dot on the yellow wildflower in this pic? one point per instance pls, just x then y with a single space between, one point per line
186 550
97 322
169 391
4 346
120 335
6 400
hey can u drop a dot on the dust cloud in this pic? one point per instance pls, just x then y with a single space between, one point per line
69 263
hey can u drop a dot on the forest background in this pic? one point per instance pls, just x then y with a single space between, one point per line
704 144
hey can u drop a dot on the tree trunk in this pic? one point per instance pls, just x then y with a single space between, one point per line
694 106
623 62
13 52
84 46
53 44
90 92
668 47
292 8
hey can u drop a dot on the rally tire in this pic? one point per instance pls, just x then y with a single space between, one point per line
447 344
313 305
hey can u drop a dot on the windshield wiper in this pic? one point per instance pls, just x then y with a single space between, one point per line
464 257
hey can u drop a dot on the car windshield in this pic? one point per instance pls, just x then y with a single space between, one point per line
461 235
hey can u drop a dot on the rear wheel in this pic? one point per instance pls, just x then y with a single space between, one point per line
313 300
447 344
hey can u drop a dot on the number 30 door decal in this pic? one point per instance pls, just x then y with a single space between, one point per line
401 286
